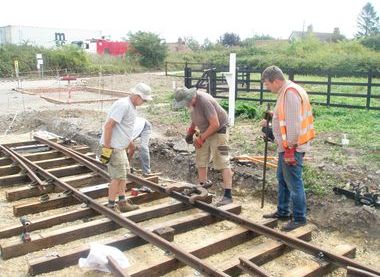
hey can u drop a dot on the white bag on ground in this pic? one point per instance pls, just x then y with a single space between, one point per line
97 258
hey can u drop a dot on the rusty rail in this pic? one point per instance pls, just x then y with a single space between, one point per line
33 177
181 255
261 229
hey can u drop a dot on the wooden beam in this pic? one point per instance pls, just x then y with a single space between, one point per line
263 252
46 222
68 258
44 155
58 172
63 200
321 267
75 181
220 242
116 269
14 248
45 164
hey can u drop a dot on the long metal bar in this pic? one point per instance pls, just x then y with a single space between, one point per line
35 179
261 229
191 260
252 269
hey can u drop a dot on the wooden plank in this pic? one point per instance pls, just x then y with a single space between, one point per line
68 258
75 181
116 269
220 242
58 172
47 222
66 200
263 252
44 155
14 248
321 267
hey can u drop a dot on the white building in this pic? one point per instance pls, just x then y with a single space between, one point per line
46 37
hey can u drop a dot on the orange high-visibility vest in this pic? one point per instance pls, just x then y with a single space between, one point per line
307 132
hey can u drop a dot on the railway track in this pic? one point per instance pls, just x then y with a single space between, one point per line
65 181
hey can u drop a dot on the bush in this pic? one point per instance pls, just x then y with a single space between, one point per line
149 48
241 109
372 42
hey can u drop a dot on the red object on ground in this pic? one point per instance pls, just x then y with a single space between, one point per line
134 192
68 78
113 48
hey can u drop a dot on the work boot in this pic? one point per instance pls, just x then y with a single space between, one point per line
291 225
150 174
206 185
125 206
277 216
224 201
112 207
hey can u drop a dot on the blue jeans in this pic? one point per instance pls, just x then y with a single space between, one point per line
290 187
144 151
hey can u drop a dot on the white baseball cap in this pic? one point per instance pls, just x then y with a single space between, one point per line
143 90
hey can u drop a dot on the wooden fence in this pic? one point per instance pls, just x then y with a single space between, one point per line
333 89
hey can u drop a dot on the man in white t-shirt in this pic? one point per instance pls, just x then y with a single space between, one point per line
142 129
116 136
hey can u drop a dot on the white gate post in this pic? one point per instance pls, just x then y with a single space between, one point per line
231 78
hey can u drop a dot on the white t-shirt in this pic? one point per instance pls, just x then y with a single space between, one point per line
124 113
138 127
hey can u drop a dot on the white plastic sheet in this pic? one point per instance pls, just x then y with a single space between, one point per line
97 258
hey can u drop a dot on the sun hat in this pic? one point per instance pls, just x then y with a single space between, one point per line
183 97
143 90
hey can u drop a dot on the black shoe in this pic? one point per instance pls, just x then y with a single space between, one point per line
277 215
291 225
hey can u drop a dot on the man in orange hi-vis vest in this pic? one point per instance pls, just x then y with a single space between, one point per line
293 130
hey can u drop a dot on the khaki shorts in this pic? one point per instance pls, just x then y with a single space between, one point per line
118 166
215 148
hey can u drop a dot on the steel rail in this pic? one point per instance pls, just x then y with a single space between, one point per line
189 259
33 176
261 229
89 162
338 260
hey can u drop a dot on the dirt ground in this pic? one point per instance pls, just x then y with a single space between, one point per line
335 220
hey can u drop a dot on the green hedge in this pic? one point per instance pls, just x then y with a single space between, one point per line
308 55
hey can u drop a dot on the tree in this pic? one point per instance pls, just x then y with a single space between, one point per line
192 43
207 44
372 42
368 22
149 47
229 39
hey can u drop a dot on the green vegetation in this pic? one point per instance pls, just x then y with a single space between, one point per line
242 109
149 48
309 55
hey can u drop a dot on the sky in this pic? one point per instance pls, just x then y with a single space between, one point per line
199 19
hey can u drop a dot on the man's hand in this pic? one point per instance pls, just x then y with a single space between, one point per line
105 156
289 156
198 142
189 135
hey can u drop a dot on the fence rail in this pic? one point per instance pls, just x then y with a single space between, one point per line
364 94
